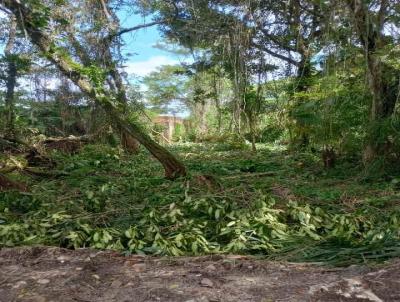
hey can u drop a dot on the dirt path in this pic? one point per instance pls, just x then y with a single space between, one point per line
52 274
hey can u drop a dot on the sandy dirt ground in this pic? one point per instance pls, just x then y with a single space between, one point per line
43 274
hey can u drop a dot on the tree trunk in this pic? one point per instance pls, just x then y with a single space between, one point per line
219 119
129 143
172 166
383 99
217 104
253 136
382 106
9 100
203 118
304 73
115 82
11 81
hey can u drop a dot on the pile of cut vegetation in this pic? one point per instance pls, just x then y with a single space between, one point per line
274 204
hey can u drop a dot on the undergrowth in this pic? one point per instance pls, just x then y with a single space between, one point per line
277 204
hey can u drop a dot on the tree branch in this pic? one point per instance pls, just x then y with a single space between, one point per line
275 40
141 26
4 10
134 28
172 166
130 29
276 55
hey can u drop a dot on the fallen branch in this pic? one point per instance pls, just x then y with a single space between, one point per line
38 172
34 158
69 144
7 170
84 138
11 145
23 167
33 171
7 184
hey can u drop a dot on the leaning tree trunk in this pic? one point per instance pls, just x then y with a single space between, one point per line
172 166
11 81
129 143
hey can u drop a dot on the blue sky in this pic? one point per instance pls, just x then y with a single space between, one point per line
145 57
140 42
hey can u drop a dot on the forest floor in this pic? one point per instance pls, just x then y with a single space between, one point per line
279 208
52 274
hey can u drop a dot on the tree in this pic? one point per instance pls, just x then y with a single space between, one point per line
15 63
33 17
241 35
369 19
11 80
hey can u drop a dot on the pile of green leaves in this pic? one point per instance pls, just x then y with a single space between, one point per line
113 201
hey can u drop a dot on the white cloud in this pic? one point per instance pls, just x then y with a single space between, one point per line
143 68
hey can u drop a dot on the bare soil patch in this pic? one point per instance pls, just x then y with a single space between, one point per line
51 274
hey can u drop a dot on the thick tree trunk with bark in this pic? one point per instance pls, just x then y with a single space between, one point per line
173 167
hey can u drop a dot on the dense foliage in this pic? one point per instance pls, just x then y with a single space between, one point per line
297 212
289 146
